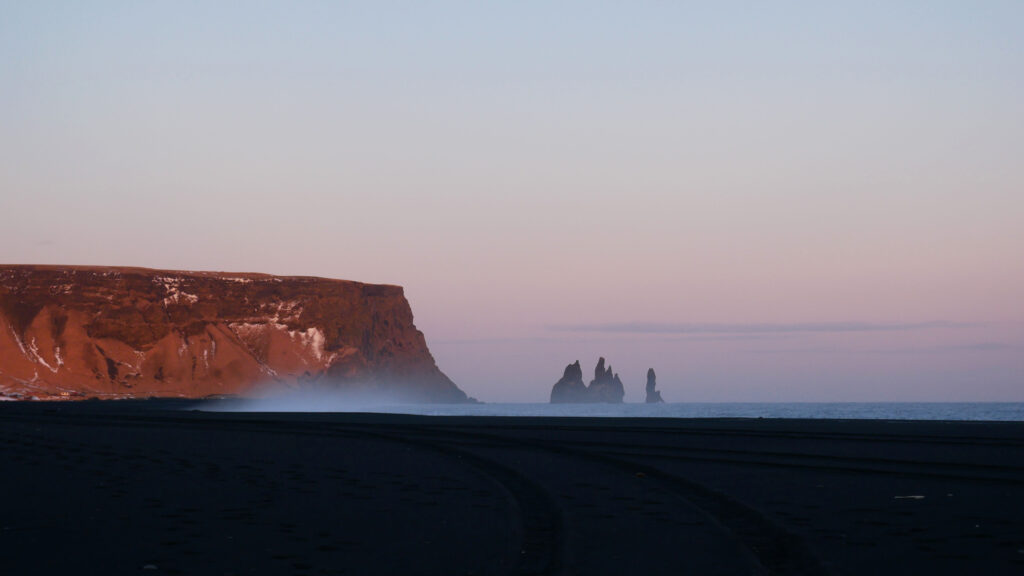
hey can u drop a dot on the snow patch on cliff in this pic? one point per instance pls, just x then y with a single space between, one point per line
176 296
33 348
58 289
311 339
246 331
18 340
172 287
287 311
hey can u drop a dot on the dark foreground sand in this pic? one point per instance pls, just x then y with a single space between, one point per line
129 488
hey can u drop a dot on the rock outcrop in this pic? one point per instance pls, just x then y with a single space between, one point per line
605 387
653 396
571 387
82 332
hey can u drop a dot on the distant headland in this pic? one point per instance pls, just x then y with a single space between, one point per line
76 332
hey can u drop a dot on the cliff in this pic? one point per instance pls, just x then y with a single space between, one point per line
80 332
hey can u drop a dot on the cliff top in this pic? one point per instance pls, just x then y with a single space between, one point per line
138 270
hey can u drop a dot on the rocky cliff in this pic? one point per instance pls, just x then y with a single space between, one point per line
80 332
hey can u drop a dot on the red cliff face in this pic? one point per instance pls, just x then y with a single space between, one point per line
79 332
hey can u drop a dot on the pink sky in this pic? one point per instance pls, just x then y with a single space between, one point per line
692 171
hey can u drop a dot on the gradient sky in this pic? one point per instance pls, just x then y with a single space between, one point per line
786 201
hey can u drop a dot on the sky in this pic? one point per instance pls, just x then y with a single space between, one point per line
786 201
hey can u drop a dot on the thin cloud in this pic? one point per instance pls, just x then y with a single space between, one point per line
973 347
611 337
756 328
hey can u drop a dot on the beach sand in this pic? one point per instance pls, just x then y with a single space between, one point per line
145 487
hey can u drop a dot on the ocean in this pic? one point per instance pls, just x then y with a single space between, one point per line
1004 411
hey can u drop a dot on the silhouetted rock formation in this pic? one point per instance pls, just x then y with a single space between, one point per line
571 387
71 332
605 387
653 396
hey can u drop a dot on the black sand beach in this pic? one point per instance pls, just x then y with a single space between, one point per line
130 487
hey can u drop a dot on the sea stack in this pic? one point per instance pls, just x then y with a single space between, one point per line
72 332
653 396
605 387
571 387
